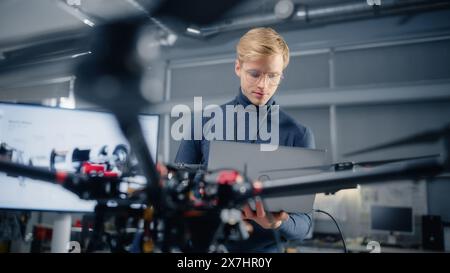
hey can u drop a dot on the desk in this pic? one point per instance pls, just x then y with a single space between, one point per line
326 247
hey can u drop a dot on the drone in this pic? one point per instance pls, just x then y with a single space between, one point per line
195 203
185 207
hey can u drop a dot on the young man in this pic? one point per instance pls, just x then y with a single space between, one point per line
262 55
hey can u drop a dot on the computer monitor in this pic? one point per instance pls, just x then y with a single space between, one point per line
392 220
62 139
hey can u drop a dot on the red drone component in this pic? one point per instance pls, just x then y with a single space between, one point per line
99 169
228 177
61 177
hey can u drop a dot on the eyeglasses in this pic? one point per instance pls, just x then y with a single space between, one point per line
254 76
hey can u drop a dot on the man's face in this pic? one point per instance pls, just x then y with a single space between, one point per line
260 78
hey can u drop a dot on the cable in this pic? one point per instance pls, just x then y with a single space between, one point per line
340 232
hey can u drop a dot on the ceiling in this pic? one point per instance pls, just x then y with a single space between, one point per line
20 19
25 20
26 25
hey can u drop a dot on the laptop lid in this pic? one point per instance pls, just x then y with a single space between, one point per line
249 157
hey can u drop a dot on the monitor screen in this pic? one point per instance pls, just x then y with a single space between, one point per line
62 139
392 219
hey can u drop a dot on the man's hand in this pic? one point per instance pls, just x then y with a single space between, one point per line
261 216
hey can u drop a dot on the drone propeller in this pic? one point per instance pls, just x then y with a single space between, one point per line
349 165
425 137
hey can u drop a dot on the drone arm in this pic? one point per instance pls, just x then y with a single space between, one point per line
329 182
35 173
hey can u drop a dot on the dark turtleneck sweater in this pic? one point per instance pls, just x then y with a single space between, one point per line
291 134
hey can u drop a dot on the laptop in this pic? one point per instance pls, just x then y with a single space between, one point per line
241 156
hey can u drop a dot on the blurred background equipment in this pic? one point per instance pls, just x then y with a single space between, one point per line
60 134
432 233
393 220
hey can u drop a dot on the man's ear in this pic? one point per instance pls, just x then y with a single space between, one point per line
237 68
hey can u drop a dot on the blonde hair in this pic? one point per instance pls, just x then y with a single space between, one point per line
261 42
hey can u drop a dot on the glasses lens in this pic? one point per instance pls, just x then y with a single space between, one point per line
274 79
254 76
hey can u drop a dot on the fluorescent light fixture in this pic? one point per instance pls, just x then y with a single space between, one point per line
76 12
193 30
81 54
88 22
301 13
